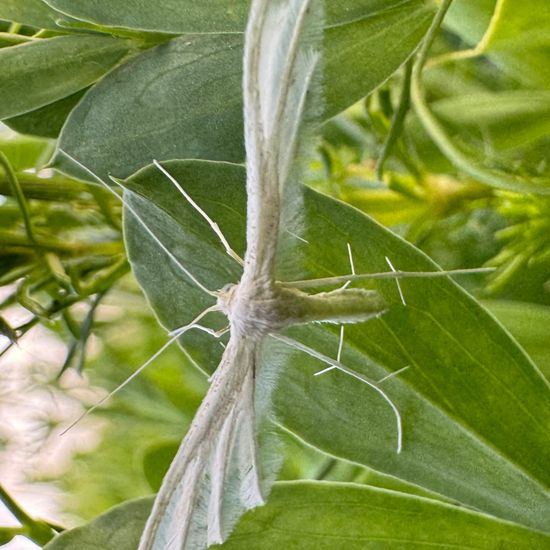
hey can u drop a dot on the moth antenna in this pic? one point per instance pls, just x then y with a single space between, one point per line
140 220
215 227
208 330
350 372
399 289
392 374
175 335
352 266
338 353
328 281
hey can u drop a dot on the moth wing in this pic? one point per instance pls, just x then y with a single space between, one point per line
214 477
282 52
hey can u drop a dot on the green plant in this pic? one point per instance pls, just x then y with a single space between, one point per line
457 177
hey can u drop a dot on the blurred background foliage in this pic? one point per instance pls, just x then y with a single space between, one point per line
63 265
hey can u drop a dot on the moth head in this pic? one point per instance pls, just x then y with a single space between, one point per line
225 297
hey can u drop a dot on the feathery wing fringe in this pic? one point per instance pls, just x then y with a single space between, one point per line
214 477
280 61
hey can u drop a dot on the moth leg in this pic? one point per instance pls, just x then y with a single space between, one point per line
350 372
338 353
352 267
174 335
399 289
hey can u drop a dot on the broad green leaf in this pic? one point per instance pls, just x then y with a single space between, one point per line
185 16
183 99
171 16
331 516
476 411
46 121
41 72
30 12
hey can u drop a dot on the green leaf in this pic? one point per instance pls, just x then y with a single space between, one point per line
183 99
342 516
117 529
41 72
170 16
26 152
508 119
470 18
156 461
185 16
30 12
517 37
46 121
468 431
331 516
528 323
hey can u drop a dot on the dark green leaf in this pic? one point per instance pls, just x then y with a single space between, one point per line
156 461
183 99
41 72
171 16
46 121
185 16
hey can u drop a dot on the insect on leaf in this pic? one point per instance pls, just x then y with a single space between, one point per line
216 474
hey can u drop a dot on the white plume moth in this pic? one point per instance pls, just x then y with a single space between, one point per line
216 475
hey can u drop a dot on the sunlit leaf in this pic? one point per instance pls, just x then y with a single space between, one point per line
517 37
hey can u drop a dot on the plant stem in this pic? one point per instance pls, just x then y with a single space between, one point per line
38 531
53 188
19 196
397 121
21 243
445 143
